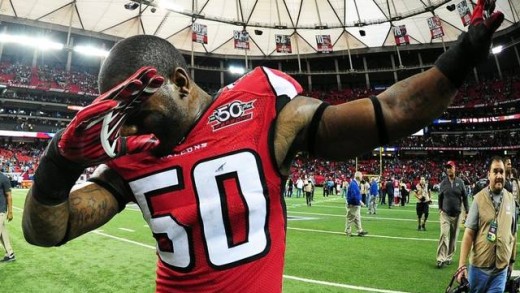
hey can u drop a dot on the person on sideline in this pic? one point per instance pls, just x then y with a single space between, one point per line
307 189
373 196
390 191
6 215
490 235
423 196
452 194
397 191
511 183
354 204
299 187
196 164
344 187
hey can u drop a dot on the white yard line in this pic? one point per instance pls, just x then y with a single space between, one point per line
339 285
126 229
294 278
363 217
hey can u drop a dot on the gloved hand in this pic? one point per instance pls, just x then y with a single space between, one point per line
481 30
93 136
472 47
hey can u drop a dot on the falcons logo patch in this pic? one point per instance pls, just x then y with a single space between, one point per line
231 113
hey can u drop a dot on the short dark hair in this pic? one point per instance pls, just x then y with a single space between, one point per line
132 53
496 158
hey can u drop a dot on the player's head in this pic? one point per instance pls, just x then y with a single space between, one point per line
175 105
358 175
130 54
423 180
496 174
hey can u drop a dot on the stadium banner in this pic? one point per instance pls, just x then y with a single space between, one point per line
324 43
400 35
464 13
241 39
12 133
483 148
434 23
283 43
478 120
199 33
484 105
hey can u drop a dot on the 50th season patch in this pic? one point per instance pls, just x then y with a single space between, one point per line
231 113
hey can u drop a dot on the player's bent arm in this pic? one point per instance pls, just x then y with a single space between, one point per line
407 106
89 206
349 129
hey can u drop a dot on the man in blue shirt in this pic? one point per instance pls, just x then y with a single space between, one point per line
374 193
354 204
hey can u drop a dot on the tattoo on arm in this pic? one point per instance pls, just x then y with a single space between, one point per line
87 208
428 93
91 209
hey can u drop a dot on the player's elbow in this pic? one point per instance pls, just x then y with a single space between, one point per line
36 238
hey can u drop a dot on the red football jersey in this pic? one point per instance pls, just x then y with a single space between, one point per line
215 204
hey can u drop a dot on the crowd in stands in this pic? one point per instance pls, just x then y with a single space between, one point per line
20 158
24 157
49 97
470 95
485 99
407 170
48 77
469 139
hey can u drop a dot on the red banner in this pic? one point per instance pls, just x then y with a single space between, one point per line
434 23
400 35
199 33
241 40
324 43
283 43
464 13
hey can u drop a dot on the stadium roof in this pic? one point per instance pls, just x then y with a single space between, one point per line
302 20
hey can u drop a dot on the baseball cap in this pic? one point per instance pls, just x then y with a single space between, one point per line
450 163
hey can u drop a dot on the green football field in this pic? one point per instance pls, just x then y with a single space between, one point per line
120 256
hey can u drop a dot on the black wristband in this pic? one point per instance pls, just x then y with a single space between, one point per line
313 127
457 61
382 133
55 175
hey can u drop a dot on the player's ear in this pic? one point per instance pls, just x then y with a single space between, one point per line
182 80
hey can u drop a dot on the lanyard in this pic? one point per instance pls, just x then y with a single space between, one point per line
497 208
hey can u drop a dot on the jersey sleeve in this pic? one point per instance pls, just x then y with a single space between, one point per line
282 83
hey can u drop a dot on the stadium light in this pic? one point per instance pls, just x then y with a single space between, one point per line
90 51
497 49
236 70
169 5
39 43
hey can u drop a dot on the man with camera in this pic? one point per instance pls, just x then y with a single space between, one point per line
490 235
423 195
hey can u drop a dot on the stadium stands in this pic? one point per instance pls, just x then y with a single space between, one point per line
482 118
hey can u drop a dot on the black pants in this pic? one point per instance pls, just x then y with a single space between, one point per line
308 198
390 199
422 208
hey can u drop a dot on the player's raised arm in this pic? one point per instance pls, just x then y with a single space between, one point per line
345 130
54 214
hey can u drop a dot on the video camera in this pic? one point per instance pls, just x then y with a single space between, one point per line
512 285
462 287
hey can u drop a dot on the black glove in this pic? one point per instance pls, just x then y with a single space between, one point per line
472 47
